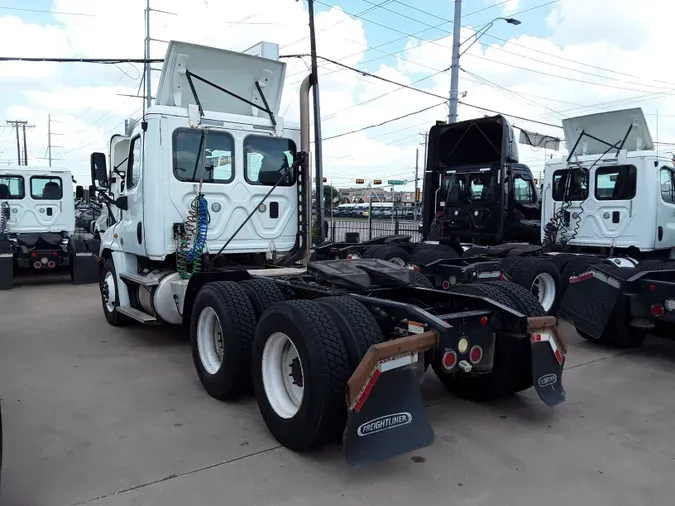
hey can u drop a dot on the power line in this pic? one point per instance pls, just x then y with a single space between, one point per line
383 122
101 61
405 36
7 8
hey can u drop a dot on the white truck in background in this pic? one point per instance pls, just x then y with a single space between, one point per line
37 225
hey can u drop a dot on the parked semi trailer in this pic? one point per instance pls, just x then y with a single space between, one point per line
214 234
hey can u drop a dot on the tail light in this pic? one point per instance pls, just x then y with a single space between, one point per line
37 265
476 354
51 264
657 310
449 360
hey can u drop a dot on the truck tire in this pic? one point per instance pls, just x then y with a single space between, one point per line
424 256
392 253
576 266
541 277
507 264
263 293
221 335
522 299
358 326
297 341
561 260
475 251
419 279
512 366
370 251
110 295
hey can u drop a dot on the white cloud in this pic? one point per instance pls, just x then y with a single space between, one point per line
21 39
601 34
510 7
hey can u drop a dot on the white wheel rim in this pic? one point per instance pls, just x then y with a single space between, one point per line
397 261
543 287
210 340
283 376
109 283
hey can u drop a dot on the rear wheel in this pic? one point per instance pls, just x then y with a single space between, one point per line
263 294
512 366
300 371
427 255
542 279
394 254
221 334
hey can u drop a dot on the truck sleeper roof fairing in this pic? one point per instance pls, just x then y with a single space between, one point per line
484 140
235 72
606 129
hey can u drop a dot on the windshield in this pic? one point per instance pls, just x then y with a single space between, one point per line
478 186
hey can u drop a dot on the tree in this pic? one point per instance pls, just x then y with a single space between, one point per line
330 193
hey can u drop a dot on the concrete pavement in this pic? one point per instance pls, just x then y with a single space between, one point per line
99 416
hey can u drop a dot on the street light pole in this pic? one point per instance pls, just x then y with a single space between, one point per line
454 68
456 54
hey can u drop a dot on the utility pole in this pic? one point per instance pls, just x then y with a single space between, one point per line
417 172
23 124
454 69
424 154
148 87
318 161
49 139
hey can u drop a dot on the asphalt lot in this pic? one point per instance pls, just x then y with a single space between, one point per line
100 416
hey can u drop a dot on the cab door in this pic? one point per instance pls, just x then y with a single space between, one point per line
524 216
665 232
130 226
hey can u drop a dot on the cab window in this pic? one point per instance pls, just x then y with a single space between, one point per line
570 185
134 162
12 188
46 188
667 177
218 156
522 190
266 159
618 182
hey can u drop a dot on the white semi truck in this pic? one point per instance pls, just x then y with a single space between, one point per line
212 232
37 225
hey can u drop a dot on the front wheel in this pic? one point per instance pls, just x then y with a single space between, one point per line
110 294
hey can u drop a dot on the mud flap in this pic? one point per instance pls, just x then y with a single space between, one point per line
547 368
390 421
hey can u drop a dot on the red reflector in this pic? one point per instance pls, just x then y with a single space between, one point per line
484 321
536 338
657 310
558 356
33 254
367 390
476 354
502 276
446 285
652 288
449 359
349 257
416 268
581 277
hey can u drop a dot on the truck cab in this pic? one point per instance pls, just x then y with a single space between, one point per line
614 191
475 188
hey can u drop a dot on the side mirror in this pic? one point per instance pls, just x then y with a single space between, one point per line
122 203
79 192
92 191
99 170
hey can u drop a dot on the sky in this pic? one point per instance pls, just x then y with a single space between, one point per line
566 58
